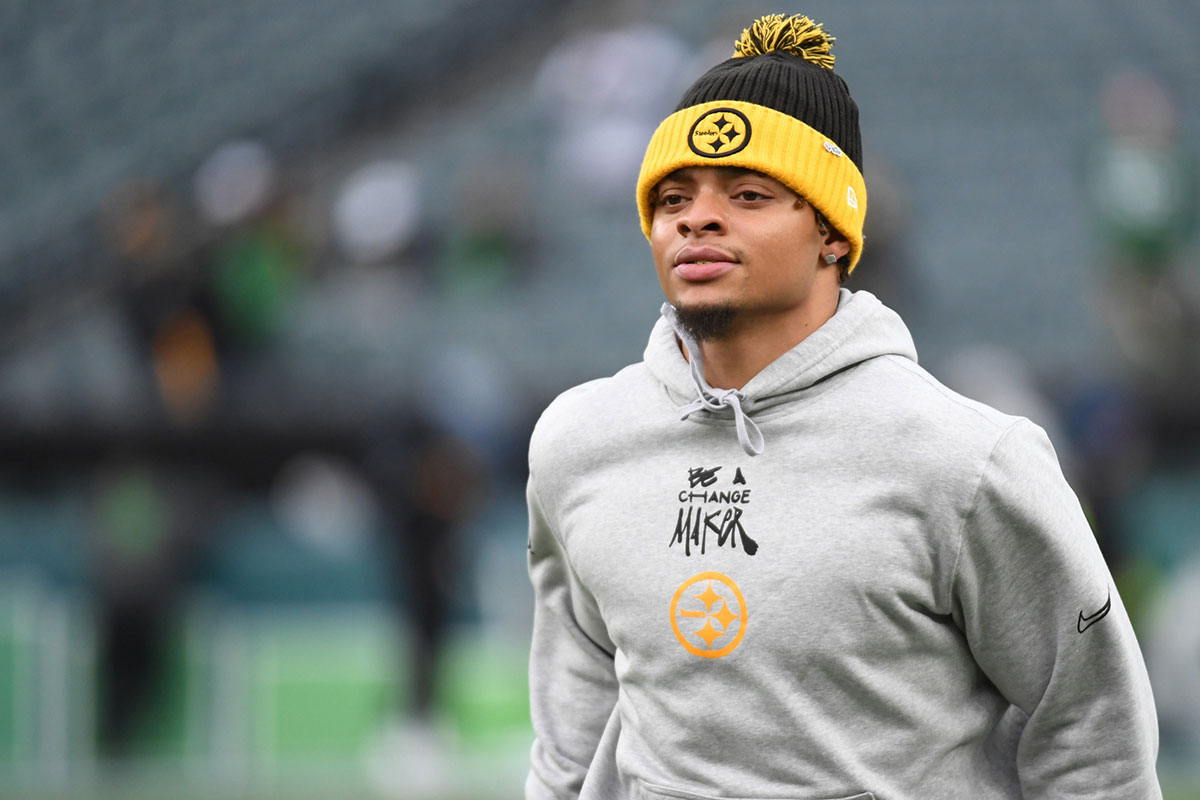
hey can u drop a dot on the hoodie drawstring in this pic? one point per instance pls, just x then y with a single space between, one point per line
710 399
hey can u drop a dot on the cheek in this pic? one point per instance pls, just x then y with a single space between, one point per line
794 245
789 259
661 240
781 250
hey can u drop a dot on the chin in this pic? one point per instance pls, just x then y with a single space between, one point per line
706 320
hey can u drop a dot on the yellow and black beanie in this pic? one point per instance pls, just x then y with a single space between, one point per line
775 107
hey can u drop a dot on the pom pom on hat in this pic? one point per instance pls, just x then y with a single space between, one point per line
796 34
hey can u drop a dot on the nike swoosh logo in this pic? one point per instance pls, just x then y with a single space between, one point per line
1087 622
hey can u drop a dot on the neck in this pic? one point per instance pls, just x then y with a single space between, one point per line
754 341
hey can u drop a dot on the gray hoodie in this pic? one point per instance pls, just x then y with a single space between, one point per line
899 597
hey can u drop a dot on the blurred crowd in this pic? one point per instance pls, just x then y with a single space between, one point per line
264 408
1140 434
262 422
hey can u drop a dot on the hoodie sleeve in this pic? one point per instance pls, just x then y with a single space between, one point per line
1043 619
572 683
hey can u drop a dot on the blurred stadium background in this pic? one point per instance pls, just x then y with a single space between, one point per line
284 285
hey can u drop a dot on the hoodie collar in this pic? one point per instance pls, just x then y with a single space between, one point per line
862 328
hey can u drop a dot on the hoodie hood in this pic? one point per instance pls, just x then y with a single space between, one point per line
862 328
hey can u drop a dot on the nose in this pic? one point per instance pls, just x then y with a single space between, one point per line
704 213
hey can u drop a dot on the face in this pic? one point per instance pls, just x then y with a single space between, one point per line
733 238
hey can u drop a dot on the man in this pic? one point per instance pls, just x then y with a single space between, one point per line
834 577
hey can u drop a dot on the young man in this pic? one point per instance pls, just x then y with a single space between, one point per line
833 577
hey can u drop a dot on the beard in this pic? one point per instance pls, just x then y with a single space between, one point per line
706 322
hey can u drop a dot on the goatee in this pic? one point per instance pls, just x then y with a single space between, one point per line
706 322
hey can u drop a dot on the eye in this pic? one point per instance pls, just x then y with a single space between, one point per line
670 198
750 196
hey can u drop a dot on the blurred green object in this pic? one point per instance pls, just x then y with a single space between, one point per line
45 651
18 664
133 514
1181 789
1138 581
1143 201
319 686
323 686
484 691
252 276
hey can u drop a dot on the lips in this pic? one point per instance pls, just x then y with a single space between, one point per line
703 263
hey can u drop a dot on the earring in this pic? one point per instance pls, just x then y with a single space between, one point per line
830 258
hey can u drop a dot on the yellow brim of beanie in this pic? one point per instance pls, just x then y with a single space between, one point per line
732 133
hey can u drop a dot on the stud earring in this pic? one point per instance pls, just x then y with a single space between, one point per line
830 258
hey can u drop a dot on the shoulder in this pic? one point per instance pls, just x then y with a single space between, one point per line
586 416
572 407
913 400
908 422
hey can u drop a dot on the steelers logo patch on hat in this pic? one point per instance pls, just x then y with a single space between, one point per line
719 133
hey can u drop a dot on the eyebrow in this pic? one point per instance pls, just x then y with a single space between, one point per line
683 173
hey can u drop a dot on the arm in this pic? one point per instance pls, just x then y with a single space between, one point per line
1030 589
572 685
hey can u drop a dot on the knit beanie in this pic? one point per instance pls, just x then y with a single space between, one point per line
775 107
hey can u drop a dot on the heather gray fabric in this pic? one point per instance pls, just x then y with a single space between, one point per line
898 598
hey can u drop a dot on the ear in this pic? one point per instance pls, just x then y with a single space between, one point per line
836 243
839 247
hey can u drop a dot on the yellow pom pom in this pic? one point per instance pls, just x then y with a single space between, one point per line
796 34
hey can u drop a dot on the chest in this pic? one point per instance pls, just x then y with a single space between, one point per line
712 556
